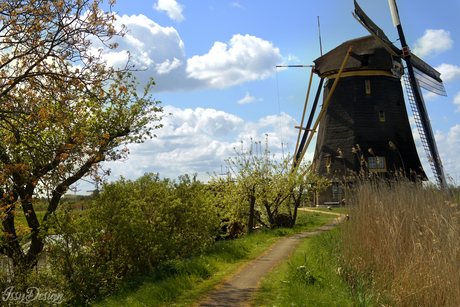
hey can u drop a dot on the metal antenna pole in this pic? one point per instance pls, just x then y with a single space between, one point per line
319 31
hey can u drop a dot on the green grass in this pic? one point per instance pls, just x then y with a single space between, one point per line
341 210
182 282
312 276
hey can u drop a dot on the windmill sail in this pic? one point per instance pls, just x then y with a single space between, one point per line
427 76
375 30
420 75
421 131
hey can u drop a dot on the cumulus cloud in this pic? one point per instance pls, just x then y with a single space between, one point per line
457 102
167 66
430 96
433 41
199 140
448 145
449 72
172 8
244 58
160 53
149 44
248 99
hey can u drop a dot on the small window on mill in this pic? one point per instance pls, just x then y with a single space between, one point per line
377 164
382 116
337 189
368 86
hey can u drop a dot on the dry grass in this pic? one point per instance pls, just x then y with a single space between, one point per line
405 238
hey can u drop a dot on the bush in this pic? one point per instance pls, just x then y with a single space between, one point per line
131 227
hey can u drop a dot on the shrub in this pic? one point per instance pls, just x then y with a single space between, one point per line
131 227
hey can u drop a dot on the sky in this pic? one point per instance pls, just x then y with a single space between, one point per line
214 64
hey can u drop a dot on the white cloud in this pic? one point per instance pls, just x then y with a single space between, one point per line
433 41
292 58
160 51
448 145
457 102
453 136
148 43
236 4
429 96
245 58
199 140
248 99
171 7
449 72
167 66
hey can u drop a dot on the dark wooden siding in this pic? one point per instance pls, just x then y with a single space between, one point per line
352 118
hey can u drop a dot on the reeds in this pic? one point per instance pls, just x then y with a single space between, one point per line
406 238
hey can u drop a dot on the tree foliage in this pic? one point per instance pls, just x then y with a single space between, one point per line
132 226
259 187
63 110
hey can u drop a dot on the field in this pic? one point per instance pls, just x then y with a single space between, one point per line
403 238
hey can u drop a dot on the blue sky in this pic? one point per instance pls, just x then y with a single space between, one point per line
214 63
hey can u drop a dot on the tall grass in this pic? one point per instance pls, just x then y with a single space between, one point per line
406 238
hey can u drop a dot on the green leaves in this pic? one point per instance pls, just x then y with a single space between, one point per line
260 186
133 226
62 109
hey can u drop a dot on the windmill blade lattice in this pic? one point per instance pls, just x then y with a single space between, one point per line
421 131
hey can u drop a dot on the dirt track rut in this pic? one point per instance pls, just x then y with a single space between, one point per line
239 289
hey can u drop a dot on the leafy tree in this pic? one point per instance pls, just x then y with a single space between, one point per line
133 226
63 110
259 187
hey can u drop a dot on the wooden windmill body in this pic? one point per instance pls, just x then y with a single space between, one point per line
365 126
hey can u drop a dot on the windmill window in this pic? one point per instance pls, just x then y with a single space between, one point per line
328 163
382 116
368 86
377 164
337 189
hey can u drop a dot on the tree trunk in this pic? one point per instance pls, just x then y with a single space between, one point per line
252 202
297 201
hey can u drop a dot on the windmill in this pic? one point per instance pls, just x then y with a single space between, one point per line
420 74
364 121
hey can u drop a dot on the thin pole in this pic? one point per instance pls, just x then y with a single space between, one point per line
295 65
303 115
319 31
279 111
323 109
310 120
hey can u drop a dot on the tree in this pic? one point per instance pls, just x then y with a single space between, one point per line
63 110
132 227
259 187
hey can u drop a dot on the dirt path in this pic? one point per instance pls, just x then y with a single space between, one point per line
240 288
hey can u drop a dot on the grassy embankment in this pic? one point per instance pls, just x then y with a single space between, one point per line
182 282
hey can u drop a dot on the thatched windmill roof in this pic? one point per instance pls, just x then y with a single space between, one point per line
368 47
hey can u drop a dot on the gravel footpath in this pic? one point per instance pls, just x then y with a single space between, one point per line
240 288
